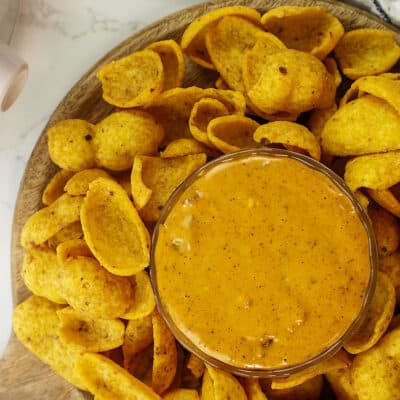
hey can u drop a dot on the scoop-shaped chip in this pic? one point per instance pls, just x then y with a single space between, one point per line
386 229
386 199
113 229
186 146
36 325
123 178
282 87
193 39
72 248
78 185
70 232
339 360
227 41
93 291
48 221
55 187
390 265
88 335
143 298
182 394
134 80
172 60
310 29
123 135
108 381
363 52
289 134
70 144
195 366
253 389
40 272
138 336
311 389
232 132
154 179
225 385
202 113
340 382
173 108
165 355
254 60
375 171
385 87
362 126
375 373
379 315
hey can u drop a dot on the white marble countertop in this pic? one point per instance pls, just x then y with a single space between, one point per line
60 40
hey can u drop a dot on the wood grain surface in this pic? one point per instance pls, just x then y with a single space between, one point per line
22 375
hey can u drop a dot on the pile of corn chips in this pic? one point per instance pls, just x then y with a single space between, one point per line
92 315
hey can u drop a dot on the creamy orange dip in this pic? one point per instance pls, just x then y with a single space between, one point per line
262 263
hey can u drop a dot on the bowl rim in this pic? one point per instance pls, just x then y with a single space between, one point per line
330 351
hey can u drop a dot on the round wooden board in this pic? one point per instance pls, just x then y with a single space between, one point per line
23 376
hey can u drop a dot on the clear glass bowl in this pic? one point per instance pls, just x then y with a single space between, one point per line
373 253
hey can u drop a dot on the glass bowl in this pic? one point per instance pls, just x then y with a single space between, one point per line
373 257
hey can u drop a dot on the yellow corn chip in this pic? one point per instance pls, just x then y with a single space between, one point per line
165 355
338 361
36 325
193 39
253 389
48 221
310 29
93 291
386 229
186 146
340 382
113 229
70 232
386 200
375 171
225 385
78 185
40 272
143 302
138 336
289 134
363 52
55 187
232 132
282 87
378 317
123 135
70 144
88 335
108 381
72 248
375 374
195 365
172 60
202 113
134 80
227 54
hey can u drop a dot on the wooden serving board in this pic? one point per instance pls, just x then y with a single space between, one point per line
22 375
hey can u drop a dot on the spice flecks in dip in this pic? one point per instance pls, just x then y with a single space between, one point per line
262 262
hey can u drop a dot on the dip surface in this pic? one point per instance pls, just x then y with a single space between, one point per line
262 262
